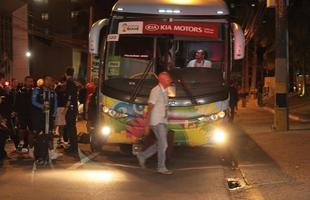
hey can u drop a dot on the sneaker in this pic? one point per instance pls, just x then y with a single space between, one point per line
31 153
66 144
19 147
164 171
24 150
141 161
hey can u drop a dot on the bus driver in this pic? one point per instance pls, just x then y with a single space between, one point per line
199 60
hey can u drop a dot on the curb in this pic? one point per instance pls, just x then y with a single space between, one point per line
293 117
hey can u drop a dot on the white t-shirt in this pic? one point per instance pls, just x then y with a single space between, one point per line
204 63
159 98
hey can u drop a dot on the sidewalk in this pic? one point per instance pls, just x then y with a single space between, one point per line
290 150
299 108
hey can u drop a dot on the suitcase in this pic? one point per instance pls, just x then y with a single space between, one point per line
41 147
150 139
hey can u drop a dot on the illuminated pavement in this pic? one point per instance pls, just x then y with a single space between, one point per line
111 175
269 169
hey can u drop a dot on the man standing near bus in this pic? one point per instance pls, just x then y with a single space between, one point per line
71 112
200 60
157 119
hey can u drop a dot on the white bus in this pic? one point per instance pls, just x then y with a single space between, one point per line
143 38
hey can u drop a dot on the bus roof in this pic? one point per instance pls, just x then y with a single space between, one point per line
173 7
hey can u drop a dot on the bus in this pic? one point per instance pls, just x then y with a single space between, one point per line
143 38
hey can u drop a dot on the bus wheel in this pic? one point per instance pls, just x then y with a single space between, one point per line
125 149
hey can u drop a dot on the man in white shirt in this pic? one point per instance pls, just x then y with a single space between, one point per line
199 60
157 119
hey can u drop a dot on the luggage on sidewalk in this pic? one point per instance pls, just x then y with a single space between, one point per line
41 147
150 139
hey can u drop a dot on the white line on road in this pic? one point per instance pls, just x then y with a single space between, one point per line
199 168
84 159
255 165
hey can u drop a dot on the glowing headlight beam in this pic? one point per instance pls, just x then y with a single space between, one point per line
219 136
106 130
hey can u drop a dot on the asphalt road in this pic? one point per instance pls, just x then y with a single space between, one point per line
199 173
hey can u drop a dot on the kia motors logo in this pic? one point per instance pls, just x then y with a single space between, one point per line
152 27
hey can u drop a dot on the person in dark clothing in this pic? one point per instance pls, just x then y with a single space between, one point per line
4 116
13 93
233 100
72 110
43 99
60 120
39 96
4 132
23 110
12 120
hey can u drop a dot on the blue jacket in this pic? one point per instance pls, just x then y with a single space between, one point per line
39 96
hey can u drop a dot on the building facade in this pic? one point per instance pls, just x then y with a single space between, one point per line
58 37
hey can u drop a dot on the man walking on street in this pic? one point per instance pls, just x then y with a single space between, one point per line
72 110
157 119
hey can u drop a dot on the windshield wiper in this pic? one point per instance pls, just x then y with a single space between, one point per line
186 90
139 85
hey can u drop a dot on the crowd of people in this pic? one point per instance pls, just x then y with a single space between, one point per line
31 113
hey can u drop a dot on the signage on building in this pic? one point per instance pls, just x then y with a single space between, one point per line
177 28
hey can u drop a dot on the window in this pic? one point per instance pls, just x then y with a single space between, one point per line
44 16
125 54
74 14
41 1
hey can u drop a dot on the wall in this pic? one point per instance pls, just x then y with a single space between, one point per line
20 67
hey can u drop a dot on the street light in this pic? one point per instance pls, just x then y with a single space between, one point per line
28 54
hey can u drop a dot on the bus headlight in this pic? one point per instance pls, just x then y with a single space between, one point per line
214 117
219 136
106 130
221 114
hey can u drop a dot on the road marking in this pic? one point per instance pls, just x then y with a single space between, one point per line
34 168
255 165
199 168
84 159
121 165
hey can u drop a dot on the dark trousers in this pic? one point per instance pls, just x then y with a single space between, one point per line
70 129
232 112
13 132
3 137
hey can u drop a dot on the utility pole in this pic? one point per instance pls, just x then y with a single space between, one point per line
281 122
254 69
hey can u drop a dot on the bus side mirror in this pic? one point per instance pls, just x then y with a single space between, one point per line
239 41
94 35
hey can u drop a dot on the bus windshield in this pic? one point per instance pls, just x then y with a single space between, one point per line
130 56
